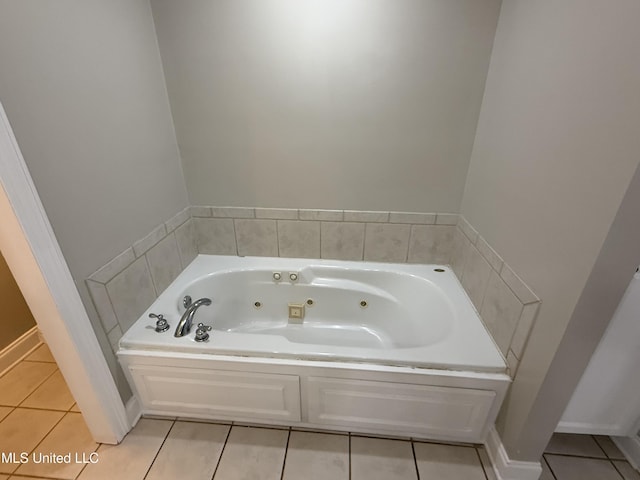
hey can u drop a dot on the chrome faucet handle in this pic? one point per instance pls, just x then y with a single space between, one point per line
201 332
161 325
186 301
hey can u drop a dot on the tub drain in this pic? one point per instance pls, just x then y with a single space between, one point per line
439 270
257 304
310 301
363 303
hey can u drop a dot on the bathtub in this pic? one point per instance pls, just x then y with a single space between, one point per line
371 347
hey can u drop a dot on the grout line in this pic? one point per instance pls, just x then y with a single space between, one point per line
159 449
549 466
45 436
616 468
576 456
44 409
222 452
86 464
415 460
37 387
593 437
482 465
286 449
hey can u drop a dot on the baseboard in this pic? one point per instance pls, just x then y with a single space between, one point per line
18 349
630 447
587 428
134 412
506 468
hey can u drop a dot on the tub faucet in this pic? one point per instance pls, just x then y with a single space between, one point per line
184 325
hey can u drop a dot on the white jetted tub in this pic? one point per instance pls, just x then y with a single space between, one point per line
372 347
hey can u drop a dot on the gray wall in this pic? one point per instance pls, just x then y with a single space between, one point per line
345 104
16 317
556 147
82 85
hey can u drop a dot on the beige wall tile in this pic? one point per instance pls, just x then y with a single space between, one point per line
177 220
255 453
448 461
131 459
102 302
360 216
386 242
114 267
381 459
199 211
233 212
131 292
515 283
257 237
500 312
489 254
476 277
447 219
297 238
528 316
277 213
460 251
164 263
114 337
71 435
215 236
431 244
342 240
186 240
191 451
468 230
413 218
157 234
317 456
324 215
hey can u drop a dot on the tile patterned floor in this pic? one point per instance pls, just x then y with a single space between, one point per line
38 415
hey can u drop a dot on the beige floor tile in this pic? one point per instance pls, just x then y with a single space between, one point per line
4 411
576 468
22 430
610 448
486 464
379 459
69 437
18 383
53 394
41 354
626 470
191 451
131 459
75 408
571 444
546 472
255 453
317 456
446 462
3 477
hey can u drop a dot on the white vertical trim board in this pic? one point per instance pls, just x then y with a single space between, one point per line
506 468
34 257
18 349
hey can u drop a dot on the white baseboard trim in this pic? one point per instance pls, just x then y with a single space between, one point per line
19 348
506 468
587 428
630 447
134 412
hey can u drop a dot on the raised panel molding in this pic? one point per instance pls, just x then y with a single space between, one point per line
433 411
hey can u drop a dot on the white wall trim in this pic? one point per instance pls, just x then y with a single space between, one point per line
134 410
630 447
503 466
34 257
18 349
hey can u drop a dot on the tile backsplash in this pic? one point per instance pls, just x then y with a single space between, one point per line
128 284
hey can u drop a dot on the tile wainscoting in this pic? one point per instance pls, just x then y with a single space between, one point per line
125 287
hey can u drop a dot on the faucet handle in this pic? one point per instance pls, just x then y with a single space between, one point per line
161 325
186 301
201 332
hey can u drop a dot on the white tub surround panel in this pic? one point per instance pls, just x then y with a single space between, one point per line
507 306
125 287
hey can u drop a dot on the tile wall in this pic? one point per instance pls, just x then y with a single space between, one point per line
124 288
